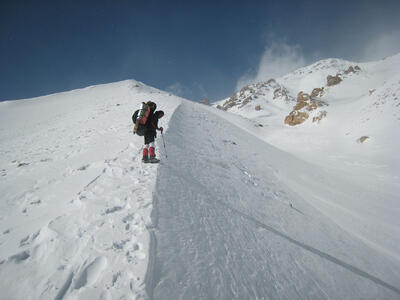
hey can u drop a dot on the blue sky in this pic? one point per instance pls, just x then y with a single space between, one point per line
196 49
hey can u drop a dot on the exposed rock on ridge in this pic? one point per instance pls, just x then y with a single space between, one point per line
305 105
254 91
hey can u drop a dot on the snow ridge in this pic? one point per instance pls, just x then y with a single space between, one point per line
224 224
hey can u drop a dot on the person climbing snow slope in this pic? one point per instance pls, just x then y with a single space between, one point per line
149 150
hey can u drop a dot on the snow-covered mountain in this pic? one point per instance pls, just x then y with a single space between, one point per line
333 105
242 206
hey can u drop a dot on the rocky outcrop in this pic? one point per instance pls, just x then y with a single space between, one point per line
254 91
302 97
304 106
352 69
317 92
333 80
307 104
282 93
363 139
296 117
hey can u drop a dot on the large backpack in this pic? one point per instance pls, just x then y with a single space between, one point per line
139 128
139 118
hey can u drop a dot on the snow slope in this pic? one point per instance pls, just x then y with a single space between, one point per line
75 199
365 103
233 211
232 220
364 199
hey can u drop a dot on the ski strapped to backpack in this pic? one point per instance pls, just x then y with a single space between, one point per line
140 117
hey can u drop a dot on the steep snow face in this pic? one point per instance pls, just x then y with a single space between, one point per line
75 199
236 218
356 141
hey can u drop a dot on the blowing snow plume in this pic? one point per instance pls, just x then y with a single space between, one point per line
278 59
382 46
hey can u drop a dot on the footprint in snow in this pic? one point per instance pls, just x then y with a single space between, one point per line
118 246
229 142
135 253
45 160
134 222
29 239
37 202
22 164
113 209
83 168
19 257
91 273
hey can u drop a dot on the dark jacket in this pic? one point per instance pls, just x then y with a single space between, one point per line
151 126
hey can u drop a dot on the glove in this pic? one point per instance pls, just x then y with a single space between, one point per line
161 129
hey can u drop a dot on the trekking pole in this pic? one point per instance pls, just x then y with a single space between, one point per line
165 149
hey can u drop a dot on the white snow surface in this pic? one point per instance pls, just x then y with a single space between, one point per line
75 197
233 211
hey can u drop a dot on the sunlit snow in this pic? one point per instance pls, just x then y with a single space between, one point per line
243 207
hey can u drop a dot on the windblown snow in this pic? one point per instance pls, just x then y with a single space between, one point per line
240 207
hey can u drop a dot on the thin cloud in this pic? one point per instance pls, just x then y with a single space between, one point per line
188 92
279 58
382 46
176 89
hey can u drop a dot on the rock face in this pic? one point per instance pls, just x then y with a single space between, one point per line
306 104
363 139
302 99
282 93
296 117
301 96
333 80
352 69
317 92
349 70
254 91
